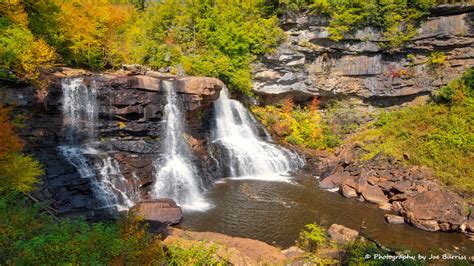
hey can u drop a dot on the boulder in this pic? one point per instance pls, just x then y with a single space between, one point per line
293 253
373 194
394 219
402 186
348 192
204 86
341 234
470 222
333 181
385 206
361 184
164 211
434 210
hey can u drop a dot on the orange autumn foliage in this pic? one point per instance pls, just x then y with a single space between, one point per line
9 141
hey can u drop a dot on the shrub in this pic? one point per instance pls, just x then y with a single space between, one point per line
297 125
458 90
436 59
195 254
397 18
313 237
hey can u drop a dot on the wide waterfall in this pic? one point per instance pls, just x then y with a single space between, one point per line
176 177
80 125
247 154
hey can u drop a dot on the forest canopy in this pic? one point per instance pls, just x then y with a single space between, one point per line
217 38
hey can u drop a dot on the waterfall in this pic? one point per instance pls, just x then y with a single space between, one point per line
80 118
248 155
176 177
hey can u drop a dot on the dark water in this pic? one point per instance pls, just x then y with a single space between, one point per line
275 212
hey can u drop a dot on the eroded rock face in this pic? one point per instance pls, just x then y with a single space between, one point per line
435 210
129 130
310 64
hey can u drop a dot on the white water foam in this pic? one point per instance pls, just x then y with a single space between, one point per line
248 155
176 178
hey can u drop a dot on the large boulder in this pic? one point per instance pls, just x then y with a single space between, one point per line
164 211
341 234
373 194
434 211
333 181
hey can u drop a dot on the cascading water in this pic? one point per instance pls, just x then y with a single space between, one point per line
247 155
176 176
80 122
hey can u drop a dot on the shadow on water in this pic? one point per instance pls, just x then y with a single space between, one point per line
275 212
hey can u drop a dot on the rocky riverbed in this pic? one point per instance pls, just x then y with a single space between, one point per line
410 192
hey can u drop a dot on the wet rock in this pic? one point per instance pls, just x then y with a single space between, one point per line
160 210
373 194
333 181
136 146
341 234
434 210
394 219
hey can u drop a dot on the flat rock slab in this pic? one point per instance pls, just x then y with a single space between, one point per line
435 210
238 250
373 194
160 210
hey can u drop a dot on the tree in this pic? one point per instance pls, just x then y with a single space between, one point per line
18 172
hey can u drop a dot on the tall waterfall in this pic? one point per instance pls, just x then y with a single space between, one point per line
80 124
176 177
247 154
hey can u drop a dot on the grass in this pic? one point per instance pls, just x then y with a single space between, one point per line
438 135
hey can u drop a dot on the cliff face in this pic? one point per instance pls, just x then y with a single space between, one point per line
129 130
310 64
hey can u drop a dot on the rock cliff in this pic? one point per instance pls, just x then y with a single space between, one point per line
309 64
130 110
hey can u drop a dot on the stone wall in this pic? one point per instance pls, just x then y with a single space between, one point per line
310 64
